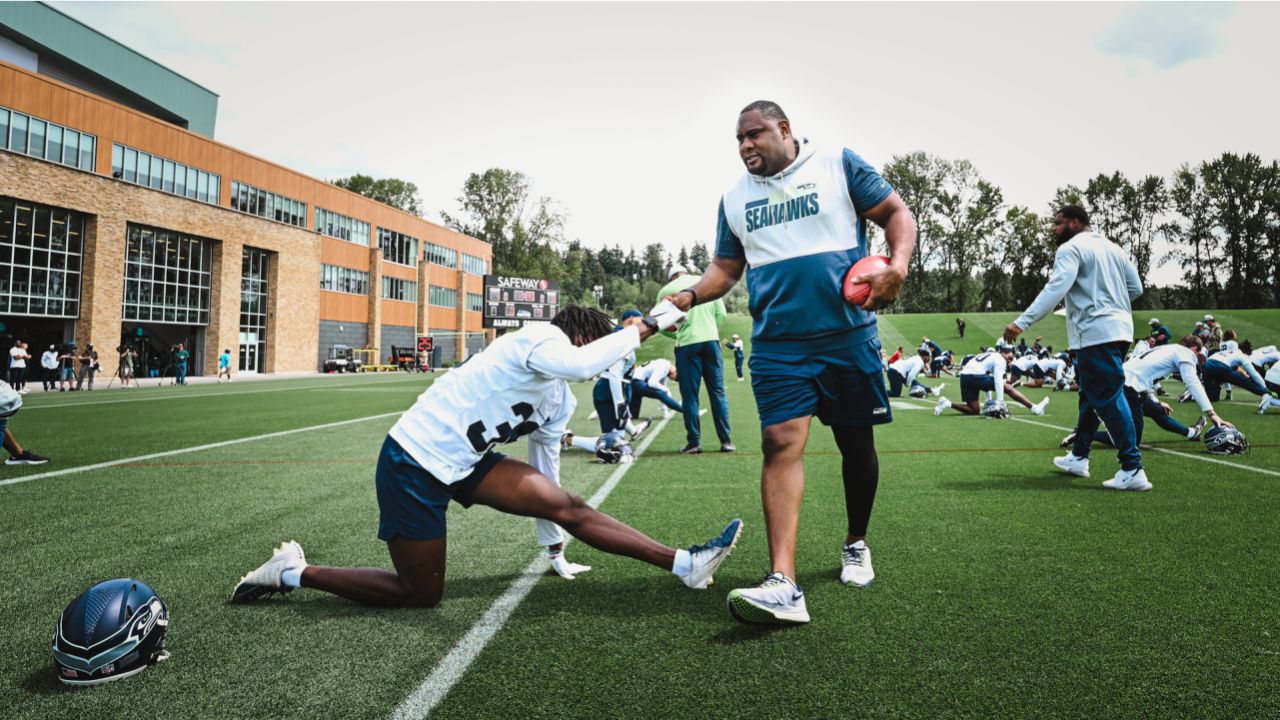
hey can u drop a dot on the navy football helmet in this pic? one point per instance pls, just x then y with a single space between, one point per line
918 391
1225 441
995 409
612 448
112 630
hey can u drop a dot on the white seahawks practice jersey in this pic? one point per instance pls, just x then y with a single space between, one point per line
513 388
988 363
1024 363
1143 372
1264 356
654 372
1273 375
908 367
1051 365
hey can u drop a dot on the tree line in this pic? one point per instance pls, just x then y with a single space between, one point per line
1219 221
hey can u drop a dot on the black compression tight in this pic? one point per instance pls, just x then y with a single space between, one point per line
861 468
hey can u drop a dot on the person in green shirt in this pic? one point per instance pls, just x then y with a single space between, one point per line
180 364
698 358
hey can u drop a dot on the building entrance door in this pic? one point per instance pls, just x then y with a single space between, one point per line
250 360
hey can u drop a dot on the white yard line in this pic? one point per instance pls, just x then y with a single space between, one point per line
180 395
196 448
431 691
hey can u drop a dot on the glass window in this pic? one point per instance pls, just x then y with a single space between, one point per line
144 169
18 139
54 153
130 165
87 145
117 161
168 176
4 128
35 146
191 183
180 181
202 191
39 263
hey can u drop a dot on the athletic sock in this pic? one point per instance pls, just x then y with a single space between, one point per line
293 576
683 564
584 443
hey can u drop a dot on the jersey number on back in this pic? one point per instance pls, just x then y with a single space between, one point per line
505 432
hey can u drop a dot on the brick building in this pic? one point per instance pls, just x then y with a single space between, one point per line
123 220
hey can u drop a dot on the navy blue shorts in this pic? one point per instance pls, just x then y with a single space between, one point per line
1016 371
411 501
842 387
1036 372
971 386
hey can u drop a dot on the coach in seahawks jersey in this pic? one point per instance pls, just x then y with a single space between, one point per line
795 223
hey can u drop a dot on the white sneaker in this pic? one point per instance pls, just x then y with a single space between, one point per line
667 413
1129 480
640 427
266 579
1038 408
937 391
1077 466
776 601
702 411
942 406
740 379
707 557
564 568
1267 402
594 415
856 561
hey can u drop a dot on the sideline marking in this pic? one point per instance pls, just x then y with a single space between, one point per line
454 665
178 395
195 448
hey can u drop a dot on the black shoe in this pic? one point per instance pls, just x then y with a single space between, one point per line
1198 428
691 449
26 458
1160 392
727 447
1069 440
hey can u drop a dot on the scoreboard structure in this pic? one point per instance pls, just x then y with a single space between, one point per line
512 302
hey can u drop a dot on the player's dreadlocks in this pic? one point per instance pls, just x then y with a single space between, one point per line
582 324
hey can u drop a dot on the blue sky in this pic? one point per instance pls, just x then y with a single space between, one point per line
624 113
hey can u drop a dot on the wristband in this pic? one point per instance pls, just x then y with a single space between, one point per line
693 294
650 323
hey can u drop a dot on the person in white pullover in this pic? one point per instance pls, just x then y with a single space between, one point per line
441 450
1099 284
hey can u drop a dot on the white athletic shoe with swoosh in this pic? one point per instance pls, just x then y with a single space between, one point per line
855 561
266 578
1077 466
776 601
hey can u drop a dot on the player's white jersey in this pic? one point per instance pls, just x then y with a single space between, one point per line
987 363
618 375
908 367
1143 372
1024 363
1265 356
1273 375
515 387
1229 354
654 372
1139 347
1052 365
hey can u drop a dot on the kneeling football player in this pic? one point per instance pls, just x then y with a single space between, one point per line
441 449
986 372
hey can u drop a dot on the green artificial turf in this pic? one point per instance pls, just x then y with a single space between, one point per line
1003 587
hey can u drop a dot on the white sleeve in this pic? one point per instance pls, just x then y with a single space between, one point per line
614 376
1192 381
559 358
1253 373
1066 265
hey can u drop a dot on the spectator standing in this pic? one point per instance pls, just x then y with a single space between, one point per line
224 365
18 366
698 359
960 327
49 368
1099 284
88 367
180 357
1213 338
66 368
125 369
735 344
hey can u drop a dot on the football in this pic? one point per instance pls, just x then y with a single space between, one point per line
856 294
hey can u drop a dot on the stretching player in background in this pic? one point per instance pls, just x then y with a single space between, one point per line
1231 365
650 381
1273 384
735 344
904 372
1023 366
612 392
1140 376
441 449
986 372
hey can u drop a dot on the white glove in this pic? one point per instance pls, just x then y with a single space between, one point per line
666 314
566 569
